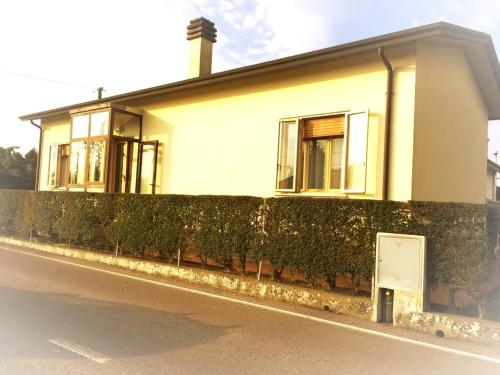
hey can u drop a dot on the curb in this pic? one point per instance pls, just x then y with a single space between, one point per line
342 304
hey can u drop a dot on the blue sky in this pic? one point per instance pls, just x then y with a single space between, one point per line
126 45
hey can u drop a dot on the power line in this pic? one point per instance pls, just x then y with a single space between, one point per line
46 79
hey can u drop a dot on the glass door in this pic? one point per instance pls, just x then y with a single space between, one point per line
148 160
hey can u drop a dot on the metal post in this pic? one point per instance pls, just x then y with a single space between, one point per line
178 257
259 271
116 250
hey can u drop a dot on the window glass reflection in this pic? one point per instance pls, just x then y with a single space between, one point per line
77 162
80 126
287 155
96 162
126 125
99 124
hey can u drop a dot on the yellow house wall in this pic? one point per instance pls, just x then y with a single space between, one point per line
56 130
225 141
402 128
450 136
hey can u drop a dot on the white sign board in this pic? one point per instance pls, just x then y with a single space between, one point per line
400 262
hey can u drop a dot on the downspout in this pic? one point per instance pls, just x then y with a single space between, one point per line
40 139
388 114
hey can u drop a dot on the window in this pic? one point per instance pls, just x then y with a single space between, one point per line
126 125
63 165
357 131
80 128
58 165
77 162
332 153
99 124
53 160
88 148
148 166
287 156
323 139
96 161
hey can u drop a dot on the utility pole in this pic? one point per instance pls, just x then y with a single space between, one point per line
99 92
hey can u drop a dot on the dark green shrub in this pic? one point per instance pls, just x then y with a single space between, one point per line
319 237
173 225
225 228
133 222
77 221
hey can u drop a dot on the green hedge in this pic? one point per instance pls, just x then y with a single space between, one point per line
321 238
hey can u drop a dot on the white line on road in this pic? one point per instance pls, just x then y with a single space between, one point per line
78 349
276 310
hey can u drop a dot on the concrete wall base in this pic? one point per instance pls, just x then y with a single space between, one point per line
445 325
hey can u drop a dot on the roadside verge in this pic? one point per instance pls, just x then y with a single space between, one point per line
360 307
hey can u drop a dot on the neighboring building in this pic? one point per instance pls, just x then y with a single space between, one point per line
402 116
491 181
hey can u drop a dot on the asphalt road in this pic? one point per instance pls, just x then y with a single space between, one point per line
58 318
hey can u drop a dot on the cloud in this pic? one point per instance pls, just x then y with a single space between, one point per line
125 45
271 29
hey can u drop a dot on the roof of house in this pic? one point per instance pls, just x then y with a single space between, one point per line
493 166
481 55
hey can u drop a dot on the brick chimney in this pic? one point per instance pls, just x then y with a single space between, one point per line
201 34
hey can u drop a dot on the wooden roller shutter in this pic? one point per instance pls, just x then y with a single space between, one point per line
324 127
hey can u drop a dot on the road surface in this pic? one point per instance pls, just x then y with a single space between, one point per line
61 316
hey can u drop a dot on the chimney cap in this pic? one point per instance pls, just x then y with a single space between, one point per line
201 28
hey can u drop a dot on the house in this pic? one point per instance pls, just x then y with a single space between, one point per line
491 181
389 117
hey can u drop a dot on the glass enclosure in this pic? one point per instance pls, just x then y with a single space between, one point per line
106 153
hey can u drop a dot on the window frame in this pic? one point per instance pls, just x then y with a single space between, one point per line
49 170
295 186
87 173
300 168
328 158
63 184
155 144
346 152
89 139
57 180
111 160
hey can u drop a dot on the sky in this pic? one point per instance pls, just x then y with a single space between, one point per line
76 46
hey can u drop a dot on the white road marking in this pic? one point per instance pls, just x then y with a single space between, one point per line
78 349
277 310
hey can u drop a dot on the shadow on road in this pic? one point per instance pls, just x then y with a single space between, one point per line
28 319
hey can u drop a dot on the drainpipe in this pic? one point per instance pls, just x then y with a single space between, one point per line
40 138
388 114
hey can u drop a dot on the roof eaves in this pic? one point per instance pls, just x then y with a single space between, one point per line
493 165
404 36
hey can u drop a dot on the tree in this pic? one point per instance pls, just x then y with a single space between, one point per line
17 171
